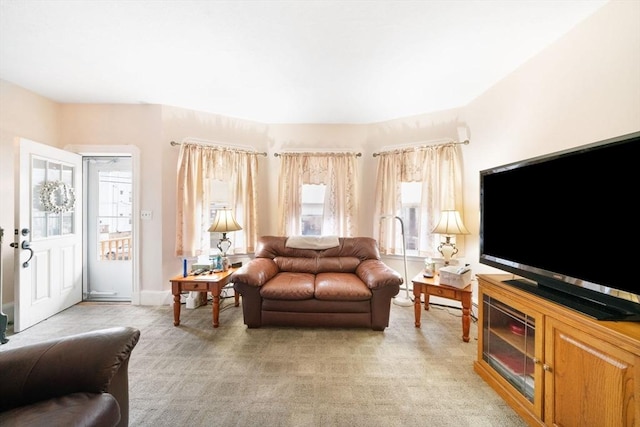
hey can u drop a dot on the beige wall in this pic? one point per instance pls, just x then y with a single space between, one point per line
179 124
123 125
582 89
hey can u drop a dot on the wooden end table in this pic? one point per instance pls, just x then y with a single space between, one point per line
203 283
431 286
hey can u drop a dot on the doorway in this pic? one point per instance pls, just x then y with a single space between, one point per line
108 184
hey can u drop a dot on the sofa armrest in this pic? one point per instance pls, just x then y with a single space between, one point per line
85 362
376 274
256 272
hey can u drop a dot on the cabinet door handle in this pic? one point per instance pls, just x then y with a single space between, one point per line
546 367
536 360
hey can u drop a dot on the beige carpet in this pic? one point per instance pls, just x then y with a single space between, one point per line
195 375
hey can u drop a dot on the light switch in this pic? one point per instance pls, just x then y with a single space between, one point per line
146 215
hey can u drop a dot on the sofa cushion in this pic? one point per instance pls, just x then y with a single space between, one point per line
358 247
295 264
342 264
341 287
316 306
76 409
289 286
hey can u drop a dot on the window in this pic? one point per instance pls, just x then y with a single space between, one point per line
218 198
416 184
115 195
317 194
48 223
410 195
312 209
223 175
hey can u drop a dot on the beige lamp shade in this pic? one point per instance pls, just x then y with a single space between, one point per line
224 222
450 223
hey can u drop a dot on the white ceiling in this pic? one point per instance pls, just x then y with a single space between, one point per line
277 61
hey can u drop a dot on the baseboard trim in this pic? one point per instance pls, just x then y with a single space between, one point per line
156 298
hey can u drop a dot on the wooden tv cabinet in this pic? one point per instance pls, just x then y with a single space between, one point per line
553 365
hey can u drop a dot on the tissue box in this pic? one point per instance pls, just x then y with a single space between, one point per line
196 266
458 277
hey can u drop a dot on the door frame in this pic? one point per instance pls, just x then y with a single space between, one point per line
105 280
134 153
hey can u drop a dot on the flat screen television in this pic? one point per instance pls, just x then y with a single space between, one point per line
566 225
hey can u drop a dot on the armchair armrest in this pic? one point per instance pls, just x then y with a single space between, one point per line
376 274
86 362
256 272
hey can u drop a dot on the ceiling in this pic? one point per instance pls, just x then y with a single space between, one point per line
277 61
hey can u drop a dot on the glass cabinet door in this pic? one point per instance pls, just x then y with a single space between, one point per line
508 344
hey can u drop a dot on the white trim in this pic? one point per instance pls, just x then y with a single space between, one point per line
156 298
134 152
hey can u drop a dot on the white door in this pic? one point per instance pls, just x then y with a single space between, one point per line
109 207
48 269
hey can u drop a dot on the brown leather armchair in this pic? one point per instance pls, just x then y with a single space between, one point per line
79 380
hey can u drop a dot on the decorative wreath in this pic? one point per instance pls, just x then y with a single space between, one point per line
56 197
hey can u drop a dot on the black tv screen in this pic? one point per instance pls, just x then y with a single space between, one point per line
567 221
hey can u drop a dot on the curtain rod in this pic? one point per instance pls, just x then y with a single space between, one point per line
221 145
405 148
326 153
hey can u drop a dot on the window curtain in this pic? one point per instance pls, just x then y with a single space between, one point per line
439 169
338 172
198 165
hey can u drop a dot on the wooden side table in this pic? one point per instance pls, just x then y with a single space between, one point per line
203 283
432 286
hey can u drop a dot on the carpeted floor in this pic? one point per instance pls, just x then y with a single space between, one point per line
195 375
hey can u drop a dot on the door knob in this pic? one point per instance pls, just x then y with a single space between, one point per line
27 246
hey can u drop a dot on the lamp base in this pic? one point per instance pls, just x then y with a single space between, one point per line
225 263
448 250
403 302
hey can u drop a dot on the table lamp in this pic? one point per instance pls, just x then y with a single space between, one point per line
224 223
449 225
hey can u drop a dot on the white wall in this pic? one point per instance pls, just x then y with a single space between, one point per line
582 89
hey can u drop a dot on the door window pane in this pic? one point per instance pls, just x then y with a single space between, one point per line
38 216
54 171
115 206
48 223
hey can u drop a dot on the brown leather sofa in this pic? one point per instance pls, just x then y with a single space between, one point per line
342 286
79 380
